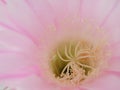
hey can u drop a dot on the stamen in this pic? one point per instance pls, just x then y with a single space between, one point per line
74 62
66 67
66 53
70 50
62 57
85 51
82 57
82 52
76 48
83 65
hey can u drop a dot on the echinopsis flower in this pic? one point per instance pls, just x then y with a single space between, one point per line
60 44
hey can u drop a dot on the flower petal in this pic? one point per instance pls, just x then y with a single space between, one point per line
106 82
112 24
74 7
32 83
26 83
114 62
42 8
17 14
97 9
59 7
14 64
11 40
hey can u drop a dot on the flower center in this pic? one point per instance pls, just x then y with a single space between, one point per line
75 61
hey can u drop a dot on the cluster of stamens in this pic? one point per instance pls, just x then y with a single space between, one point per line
74 62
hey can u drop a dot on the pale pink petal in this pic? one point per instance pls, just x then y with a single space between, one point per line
42 9
3 1
87 8
15 63
28 83
16 53
66 8
115 49
113 24
74 7
105 82
26 22
15 41
97 10
59 7
32 83
114 64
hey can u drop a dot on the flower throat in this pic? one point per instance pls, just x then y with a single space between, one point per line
74 61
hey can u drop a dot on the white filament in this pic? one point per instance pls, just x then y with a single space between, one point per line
76 48
70 50
62 57
74 71
66 53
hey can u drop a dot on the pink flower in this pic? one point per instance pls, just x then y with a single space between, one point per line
60 44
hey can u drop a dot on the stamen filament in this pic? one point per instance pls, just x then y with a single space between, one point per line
83 65
66 53
82 57
62 57
82 52
76 49
75 62
66 67
70 50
